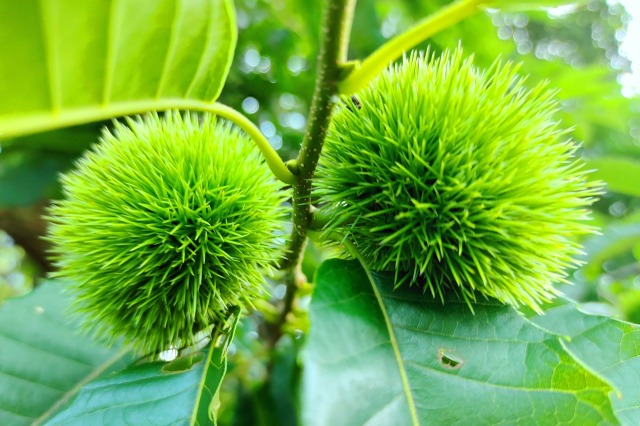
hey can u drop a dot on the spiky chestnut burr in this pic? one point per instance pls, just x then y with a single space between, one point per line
165 226
459 179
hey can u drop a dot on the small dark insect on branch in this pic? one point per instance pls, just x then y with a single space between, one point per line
356 103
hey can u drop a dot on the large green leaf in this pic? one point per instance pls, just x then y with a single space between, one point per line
379 356
67 62
152 393
43 359
50 374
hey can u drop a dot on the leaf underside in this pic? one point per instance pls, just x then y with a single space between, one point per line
378 356
66 62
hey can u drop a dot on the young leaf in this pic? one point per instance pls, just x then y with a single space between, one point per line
43 360
67 62
379 356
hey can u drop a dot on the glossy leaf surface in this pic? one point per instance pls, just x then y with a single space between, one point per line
379 356
610 348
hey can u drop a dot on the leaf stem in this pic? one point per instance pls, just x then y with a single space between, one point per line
275 163
445 17
41 122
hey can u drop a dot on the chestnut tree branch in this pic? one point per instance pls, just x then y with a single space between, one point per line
336 28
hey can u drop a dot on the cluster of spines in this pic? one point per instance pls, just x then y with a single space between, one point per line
458 178
165 226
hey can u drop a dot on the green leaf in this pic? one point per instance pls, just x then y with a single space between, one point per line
610 348
43 360
67 62
379 356
178 393
620 174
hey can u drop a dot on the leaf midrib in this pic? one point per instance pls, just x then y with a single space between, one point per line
396 349
394 345
76 388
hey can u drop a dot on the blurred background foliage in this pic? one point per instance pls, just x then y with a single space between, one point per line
576 48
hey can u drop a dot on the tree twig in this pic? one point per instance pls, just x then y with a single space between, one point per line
333 53
336 29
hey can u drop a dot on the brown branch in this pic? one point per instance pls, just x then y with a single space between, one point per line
26 227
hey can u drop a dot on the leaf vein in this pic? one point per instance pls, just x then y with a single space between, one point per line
16 414
128 404
379 410
202 63
30 381
110 64
396 350
38 348
467 338
171 47
67 395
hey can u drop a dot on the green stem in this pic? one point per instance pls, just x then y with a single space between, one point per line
321 217
394 48
46 121
336 29
275 163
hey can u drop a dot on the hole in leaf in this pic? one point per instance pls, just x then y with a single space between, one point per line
450 359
